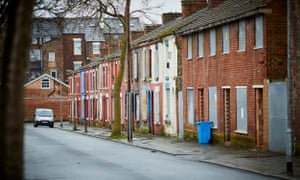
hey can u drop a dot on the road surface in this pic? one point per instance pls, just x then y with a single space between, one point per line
52 153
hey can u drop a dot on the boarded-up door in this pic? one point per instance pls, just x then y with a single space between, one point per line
277 116
241 110
212 93
180 116
190 105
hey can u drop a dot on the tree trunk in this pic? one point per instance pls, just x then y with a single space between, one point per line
14 55
125 52
116 130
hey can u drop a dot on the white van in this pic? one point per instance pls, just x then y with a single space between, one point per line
43 116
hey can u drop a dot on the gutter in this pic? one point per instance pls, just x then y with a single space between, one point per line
227 20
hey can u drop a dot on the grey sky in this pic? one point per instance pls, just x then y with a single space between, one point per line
165 6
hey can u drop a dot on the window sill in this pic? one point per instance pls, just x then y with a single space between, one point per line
258 47
188 59
241 132
240 51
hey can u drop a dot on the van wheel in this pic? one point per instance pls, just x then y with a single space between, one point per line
35 125
51 125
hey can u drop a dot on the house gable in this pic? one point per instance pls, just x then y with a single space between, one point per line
36 88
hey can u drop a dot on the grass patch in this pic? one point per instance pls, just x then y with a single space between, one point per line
121 136
143 130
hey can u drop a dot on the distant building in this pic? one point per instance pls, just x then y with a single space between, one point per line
59 44
46 92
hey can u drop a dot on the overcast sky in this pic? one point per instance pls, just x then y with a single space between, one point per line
165 6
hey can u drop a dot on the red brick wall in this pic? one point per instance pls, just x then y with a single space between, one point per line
295 71
69 56
167 17
30 104
34 90
276 38
191 6
89 51
55 45
35 97
247 68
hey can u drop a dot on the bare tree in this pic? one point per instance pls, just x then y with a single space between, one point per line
102 8
114 10
15 21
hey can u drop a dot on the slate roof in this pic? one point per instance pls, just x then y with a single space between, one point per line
88 26
229 10
96 62
42 27
114 25
168 28
55 27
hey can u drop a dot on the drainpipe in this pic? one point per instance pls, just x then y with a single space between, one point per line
289 148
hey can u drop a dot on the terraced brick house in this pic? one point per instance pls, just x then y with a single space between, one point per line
234 70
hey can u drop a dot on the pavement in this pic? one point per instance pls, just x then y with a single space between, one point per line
265 163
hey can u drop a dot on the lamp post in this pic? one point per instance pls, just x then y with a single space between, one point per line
289 134
60 106
72 93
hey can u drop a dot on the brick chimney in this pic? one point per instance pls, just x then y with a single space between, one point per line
150 27
189 7
214 3
166 17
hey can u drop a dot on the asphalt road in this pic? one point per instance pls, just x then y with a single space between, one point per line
51 153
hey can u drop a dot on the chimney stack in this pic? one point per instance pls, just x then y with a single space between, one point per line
166 17
214 3
189 7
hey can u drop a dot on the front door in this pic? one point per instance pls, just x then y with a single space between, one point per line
278 116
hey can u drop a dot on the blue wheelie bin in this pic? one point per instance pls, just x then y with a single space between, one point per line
204 132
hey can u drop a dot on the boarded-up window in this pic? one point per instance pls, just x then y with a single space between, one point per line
190 47
156 63
168 101
242 36
259 32
200 44
241 109
226 39
143 64
190 105
212 41
137 107
135 64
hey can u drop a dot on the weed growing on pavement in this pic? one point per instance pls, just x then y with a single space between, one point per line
121 136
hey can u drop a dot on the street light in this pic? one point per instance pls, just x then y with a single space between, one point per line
73 96
60 106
